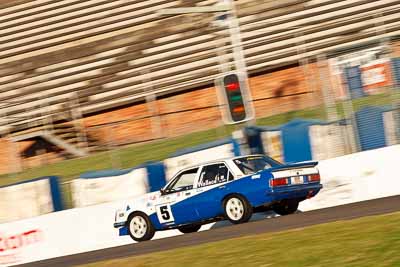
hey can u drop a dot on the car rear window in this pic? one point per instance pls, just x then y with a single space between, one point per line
253 164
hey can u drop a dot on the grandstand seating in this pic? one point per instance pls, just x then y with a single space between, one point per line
104 54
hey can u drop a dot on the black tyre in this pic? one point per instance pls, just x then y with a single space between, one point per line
286 207
189 229
140 227
237 209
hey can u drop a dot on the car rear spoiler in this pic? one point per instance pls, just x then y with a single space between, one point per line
294 166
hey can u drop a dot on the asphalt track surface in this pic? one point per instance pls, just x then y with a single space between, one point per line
298 220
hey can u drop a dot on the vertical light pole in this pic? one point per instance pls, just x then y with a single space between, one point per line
226 7
236 40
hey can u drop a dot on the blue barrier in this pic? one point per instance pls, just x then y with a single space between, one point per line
56 193
296 141
156 176
354 81
370 127
396 70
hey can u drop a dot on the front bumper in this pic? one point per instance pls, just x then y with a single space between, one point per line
119 224
122 228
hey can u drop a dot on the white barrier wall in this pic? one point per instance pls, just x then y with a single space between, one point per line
29 199
329 141
63 233
357 177
95 190
362 176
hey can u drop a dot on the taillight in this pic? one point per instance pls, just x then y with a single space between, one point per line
314 177
279 182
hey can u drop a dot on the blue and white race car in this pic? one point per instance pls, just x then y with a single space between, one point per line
230 189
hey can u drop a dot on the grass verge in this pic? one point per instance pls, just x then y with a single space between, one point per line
370 241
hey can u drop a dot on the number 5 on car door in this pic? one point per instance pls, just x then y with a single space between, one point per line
164 213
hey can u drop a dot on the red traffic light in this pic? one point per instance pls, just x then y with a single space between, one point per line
232 86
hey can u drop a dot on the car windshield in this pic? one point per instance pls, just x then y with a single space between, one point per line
253 164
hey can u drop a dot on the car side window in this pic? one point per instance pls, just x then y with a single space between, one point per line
183 181
214 174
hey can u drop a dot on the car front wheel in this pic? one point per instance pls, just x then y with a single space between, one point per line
140 227
237 209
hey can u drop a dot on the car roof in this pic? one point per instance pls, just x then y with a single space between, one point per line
219 160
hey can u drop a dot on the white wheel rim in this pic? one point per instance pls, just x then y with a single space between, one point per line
234 209
138 226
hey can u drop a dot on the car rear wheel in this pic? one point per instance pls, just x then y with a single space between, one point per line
140 227
286 207
189 229
237 209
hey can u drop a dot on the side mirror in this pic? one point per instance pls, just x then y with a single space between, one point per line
163 192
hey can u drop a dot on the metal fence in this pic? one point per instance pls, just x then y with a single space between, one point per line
361 90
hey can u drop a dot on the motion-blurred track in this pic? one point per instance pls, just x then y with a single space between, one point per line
345 212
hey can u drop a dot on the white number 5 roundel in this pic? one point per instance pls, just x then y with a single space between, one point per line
164 213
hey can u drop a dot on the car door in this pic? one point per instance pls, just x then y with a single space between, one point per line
174 206
211 187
